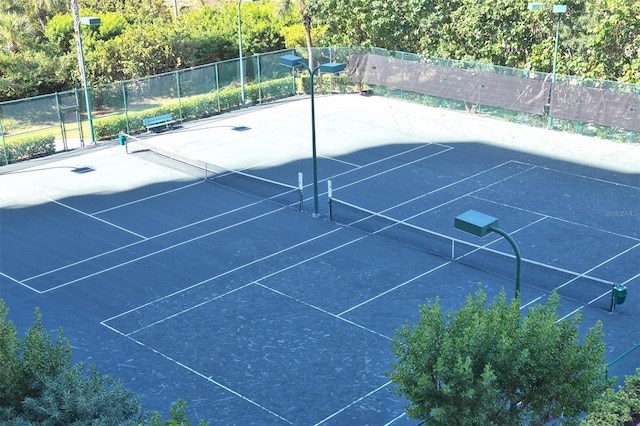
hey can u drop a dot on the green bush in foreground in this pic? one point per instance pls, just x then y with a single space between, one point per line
489 366
621 407
39 385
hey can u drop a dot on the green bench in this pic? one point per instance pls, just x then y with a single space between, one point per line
155 124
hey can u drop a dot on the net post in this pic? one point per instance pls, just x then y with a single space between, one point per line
206 171
453 249
300 189
329 199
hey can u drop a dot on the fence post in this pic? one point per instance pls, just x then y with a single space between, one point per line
4 146
79 118
215 69
61 121
126 106
177 73
258 71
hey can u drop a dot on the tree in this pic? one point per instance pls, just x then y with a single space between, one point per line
284 8
15 31
178 417
40 385
606 40
391 24
617 407
489 366
44 9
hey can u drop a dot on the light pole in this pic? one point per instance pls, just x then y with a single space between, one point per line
243 94
90 21
557 9
480 224
331 68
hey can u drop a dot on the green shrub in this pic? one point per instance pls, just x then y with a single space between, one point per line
325 83
39 385
27 148
616 407
191 108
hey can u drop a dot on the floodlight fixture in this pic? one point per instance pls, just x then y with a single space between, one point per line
91 21
480 225
327 67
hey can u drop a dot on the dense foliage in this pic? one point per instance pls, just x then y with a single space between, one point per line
617 407
598 38
487 365
40 385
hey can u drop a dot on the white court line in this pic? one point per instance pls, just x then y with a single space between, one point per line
396 419
450 185
608 292
381 160
142 241
167 318
353 403
319 309
589 177
463 195
393 288
234 270
584 274
161 250
630 279
139 200
559 219
203 376
570 314
19 282
531 302
391 169
530 168
93 217
308 259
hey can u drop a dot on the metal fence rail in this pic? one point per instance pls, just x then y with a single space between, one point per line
593 107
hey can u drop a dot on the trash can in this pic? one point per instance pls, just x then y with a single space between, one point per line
121 139
619 294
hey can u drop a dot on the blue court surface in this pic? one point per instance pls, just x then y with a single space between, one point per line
187 281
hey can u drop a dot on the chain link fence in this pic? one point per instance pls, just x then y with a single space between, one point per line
58 122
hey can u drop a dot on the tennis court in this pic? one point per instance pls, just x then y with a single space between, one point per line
188 263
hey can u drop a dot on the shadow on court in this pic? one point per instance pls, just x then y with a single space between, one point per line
257 313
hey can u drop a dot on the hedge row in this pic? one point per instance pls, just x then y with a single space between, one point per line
27 148
191 108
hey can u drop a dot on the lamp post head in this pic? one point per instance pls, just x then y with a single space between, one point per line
90 20
476 223
290 60
559 8
332 67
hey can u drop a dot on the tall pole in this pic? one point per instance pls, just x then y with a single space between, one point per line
85 85
553 74
331 68
516 250
313 144
240 55
312 72
314 155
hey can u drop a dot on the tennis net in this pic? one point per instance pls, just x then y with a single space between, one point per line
257 186
585 289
